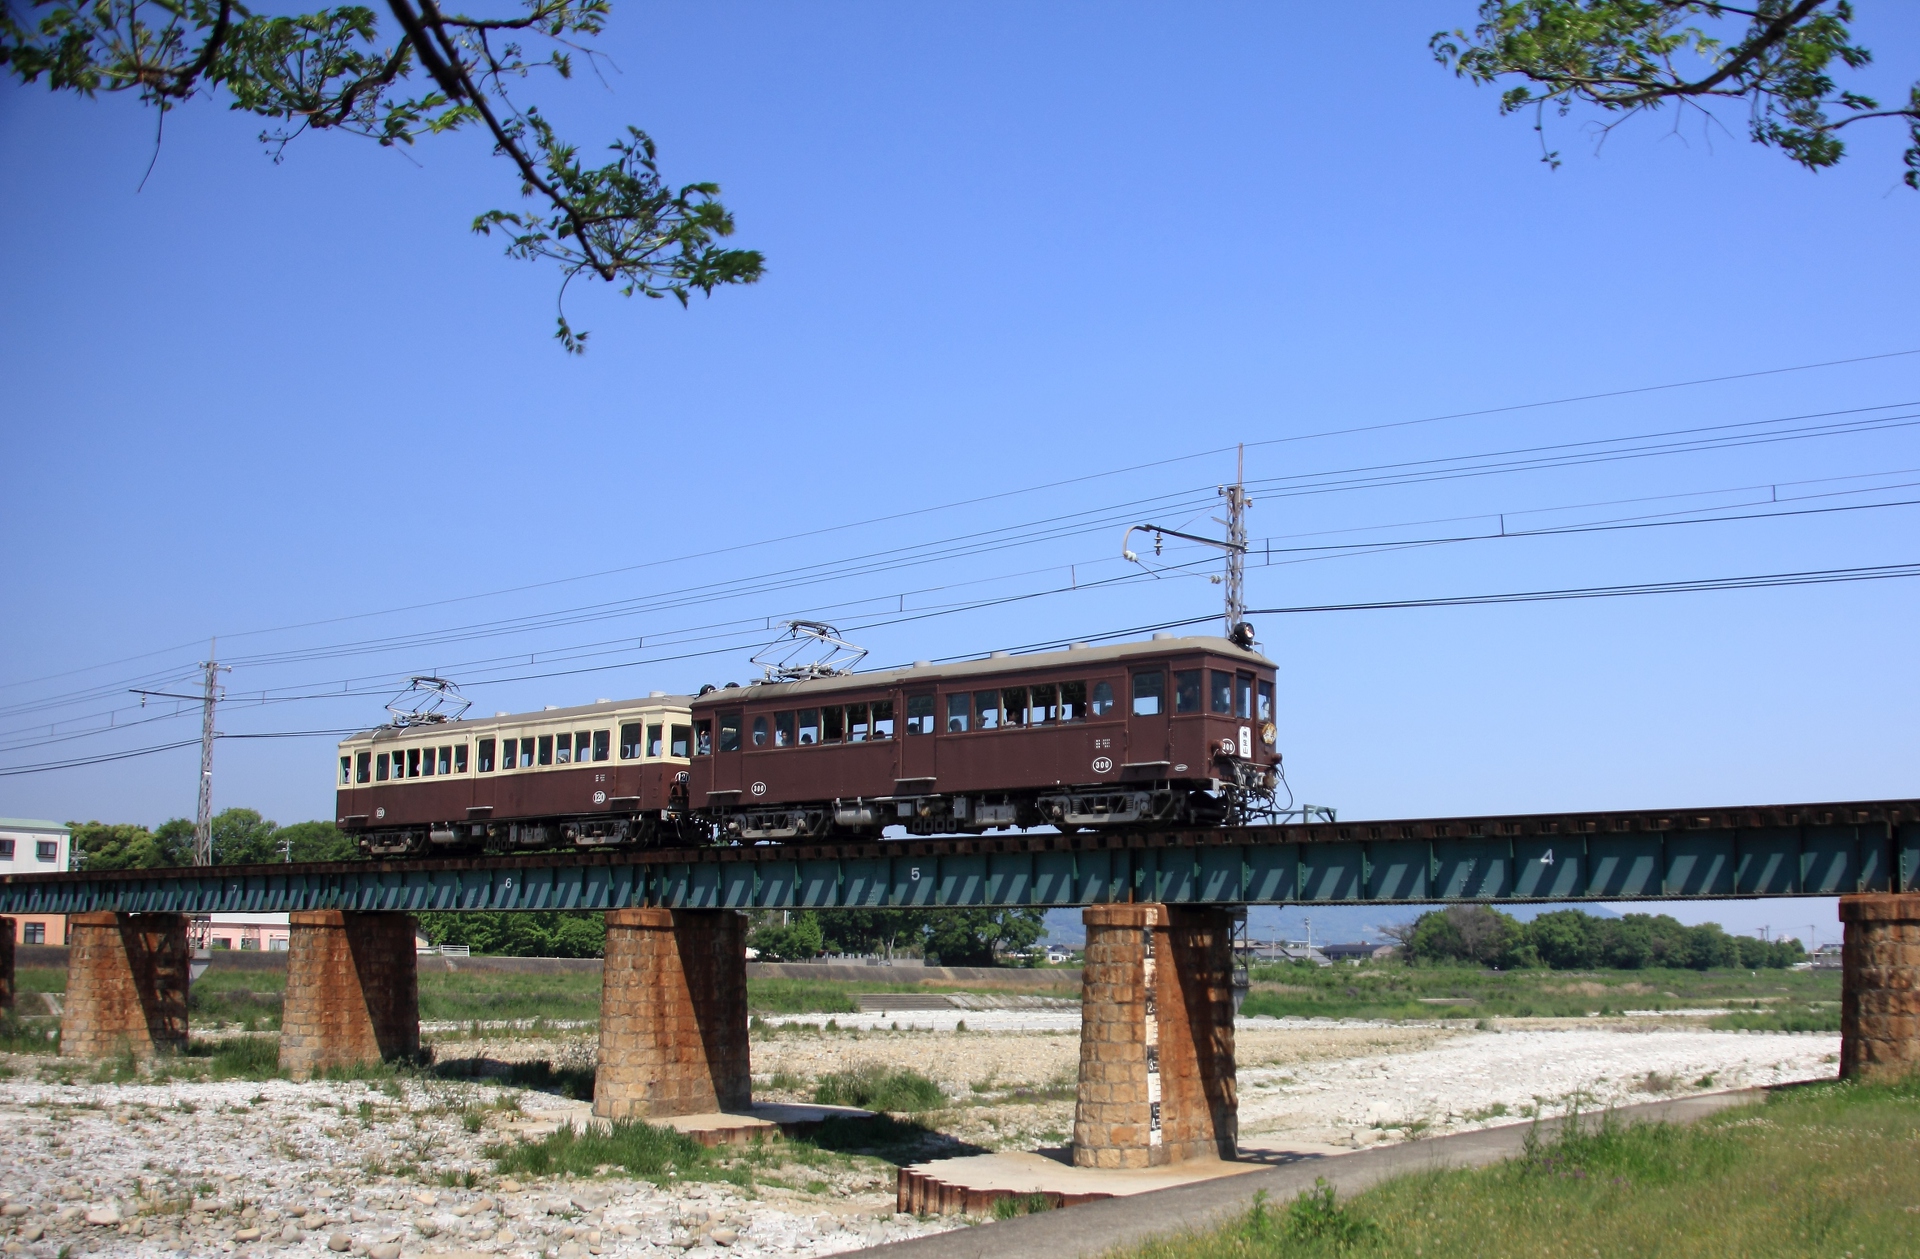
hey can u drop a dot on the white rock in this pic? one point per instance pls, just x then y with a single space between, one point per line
385 1250
723 1236
339 1242
104 1216
13 1210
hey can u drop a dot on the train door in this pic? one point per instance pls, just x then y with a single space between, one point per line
916 772
1147 721
728 770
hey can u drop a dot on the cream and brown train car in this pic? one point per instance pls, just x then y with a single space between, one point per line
612 773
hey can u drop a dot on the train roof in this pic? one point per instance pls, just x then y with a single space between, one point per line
992 665
481 725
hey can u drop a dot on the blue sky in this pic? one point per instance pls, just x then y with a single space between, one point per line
1009 247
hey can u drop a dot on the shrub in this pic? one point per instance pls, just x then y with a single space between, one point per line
871 1086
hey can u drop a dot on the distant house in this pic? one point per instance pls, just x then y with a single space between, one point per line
1356 952
30 847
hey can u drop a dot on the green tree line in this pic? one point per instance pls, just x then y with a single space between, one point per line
1568 939
240 837
945 937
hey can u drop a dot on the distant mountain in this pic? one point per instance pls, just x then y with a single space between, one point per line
1331 924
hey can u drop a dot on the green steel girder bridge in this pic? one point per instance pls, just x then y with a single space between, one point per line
1655 854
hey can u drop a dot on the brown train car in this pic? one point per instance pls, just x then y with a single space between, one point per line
1167 731
601 774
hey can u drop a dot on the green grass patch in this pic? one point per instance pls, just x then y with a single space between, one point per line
28 1036
871 1086
802 996
467 995
639 1149
1826 1169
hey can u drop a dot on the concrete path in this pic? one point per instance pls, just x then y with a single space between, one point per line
1102 1226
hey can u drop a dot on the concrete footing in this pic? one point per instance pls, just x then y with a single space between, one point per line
353 993
673 1015
126 985
1880 986
1157 1082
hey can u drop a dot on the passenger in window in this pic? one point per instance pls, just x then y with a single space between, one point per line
856 723
563 750
729 732
833 724
1102 704
1044 705
346 771
783 730
485 757
1149 694
703 738
1266 700
1073 701
959 711
682 736
653 742
630 740
883 719
760 734
987 709
1221 693
1243 696
1013 706
459 758
919 714
1186 690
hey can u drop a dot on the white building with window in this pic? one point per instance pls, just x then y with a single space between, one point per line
30 847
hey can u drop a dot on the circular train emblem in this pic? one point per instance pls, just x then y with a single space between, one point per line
1103 764
599 797
381 811
759 789
1229 745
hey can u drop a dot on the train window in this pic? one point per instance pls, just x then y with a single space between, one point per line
583 747
1243 696
729 732
1102 705
1013 706
1266 701
809 726
413 762
1220 693
1073 701
526 752
485 758
857 728
600 740
1186 691
365 767
1149 694
833 724
446 759
883 719
509 753
346 771
459 758
1044 705
427 767
653 742
546 749
783 730
703 738
682 736
760 731
563 754
959 710
630 747
380 768
919 714
986 707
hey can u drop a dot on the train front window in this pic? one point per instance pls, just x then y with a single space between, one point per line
919 714
1149 694
833 724
703 738
1243 696
459 758
783 730
380 768
1220 693
986 705
364 767
546 749
682 735
1044 705
1073 701
959 712
883 719
760 731
1266 700
809 726
729 732
653 742
1186 691
857 727
346 771
630 746
484 748
1102 705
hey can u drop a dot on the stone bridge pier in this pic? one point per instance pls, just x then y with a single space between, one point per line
1156 1038
126 985
1880 986
353 991
673 1015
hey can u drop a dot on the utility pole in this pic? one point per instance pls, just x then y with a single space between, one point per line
203 814
1236 523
